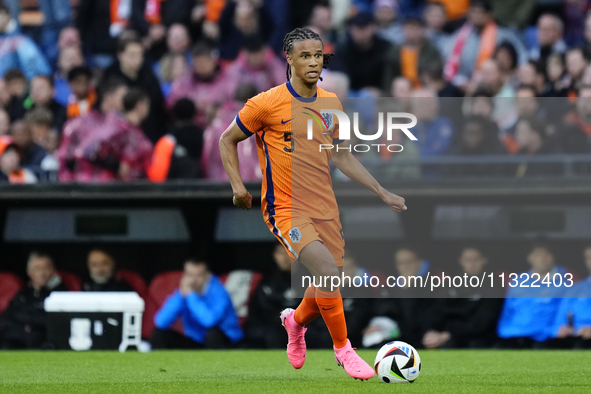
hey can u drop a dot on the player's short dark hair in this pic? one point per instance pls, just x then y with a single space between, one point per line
4 8
133 98
302 34
128 39
184 110
79 71
14 74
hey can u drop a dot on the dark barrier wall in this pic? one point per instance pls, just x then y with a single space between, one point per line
200 205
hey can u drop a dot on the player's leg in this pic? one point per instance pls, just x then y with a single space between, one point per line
321 263
308 309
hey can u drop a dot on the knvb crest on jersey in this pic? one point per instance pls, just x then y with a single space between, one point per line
324 120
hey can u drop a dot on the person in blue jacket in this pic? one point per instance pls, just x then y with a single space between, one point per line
529 311
19 51
573 321
205 309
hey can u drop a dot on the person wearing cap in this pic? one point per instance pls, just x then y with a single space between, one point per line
363 56
475 42
10 169
415 51
258 65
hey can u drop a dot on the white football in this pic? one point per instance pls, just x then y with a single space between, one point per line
397 362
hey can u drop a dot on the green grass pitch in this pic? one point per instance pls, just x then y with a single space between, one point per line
244 371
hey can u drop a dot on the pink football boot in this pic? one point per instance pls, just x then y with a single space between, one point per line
354 365
296 345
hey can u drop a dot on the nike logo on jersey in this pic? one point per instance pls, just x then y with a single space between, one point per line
286 121
327 309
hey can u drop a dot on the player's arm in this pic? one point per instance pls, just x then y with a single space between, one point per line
352 168
229 152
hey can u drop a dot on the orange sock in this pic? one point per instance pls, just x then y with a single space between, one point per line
331 307
308 308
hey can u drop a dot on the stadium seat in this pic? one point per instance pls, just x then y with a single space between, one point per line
9 285
162 286
72 281
138 284
241 284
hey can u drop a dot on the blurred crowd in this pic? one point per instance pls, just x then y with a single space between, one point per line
195 308
121 90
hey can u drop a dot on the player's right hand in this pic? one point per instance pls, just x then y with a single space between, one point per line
243 200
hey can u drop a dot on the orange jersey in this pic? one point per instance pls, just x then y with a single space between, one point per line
296 173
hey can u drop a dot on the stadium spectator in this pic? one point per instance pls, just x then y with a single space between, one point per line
32 154
101 273
206 84
533 74
81 132
477 138
529 312
250 169
19 51
131 67
100 23
577 138
576 62
394 313
4 121
431 76
466 317
40 121
4 94
68 58
122 147
206 311
414 52
532 137
475 42
165 14
272 294
10 168
506 58
434 17
401 90
573 320
494 82
363 56
515 14
177 59
257 64
177 155
239 20
320 22
23 323
41 96
557 85
434 132
83 95
386 14
550 30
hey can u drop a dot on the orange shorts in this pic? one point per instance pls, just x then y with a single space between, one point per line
295 233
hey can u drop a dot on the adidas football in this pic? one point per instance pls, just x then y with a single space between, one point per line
397 362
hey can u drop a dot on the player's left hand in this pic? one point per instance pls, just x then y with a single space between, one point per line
396 202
